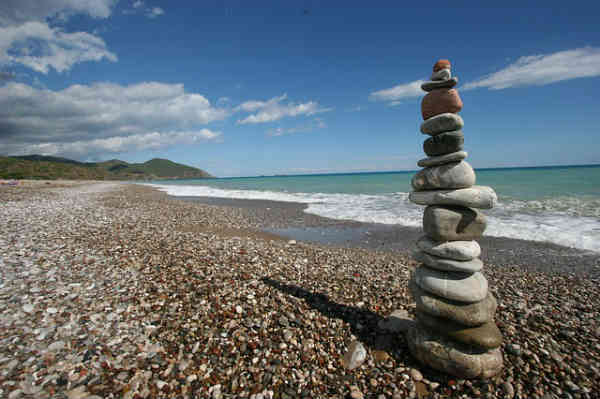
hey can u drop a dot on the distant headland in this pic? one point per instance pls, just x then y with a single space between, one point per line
40 167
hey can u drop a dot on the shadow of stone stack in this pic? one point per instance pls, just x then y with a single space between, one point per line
455 330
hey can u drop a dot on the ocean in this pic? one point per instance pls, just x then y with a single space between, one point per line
558 204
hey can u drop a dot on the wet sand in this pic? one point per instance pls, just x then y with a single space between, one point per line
288 219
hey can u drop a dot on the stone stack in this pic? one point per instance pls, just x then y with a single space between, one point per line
455 330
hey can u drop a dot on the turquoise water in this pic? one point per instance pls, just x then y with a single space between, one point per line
557 204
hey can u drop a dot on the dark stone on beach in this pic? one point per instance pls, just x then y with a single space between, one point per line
444 143
442 123
452 357
439 84
486 336
463 287
467 314
440 101
448 265
450 175
453 223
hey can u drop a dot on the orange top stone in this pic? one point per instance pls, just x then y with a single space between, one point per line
441 64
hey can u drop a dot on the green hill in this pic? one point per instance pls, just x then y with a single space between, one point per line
51 168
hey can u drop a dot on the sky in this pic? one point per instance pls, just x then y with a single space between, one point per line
242 88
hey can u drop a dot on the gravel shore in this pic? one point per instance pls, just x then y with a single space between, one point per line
112 290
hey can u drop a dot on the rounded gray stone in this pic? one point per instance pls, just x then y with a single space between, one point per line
480 197
451 175
444 143
468 314
442 74
450 265
442 159
452 357
453 223
485 336
462 287
442 123
439 84
458 250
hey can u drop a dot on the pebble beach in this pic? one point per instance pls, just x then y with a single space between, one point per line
116 290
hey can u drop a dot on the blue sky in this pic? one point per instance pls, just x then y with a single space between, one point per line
269 87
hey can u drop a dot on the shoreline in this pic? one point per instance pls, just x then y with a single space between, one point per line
288 219
118 290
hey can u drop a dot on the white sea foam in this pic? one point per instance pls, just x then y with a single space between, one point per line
553 221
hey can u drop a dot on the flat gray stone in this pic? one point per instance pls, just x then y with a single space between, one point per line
468 314
462 287
458 250
450 265
439 84
480 197
442 123
451 357
453 223
442 74
442 159
451 175
444 143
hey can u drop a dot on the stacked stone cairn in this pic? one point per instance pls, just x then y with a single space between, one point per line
455 331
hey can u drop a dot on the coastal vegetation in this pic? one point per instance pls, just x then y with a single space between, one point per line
40 167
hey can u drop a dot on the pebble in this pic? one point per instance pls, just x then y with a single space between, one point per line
450 265
355 392
440 101
442 74
442 123
415 375
458 250
355 356
441 64
453 223
439 84
398 321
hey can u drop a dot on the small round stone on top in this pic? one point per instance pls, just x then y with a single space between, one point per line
441 64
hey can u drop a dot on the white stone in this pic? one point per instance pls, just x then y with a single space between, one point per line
480 197
451 265
457 250
442 74
442 159
355 356
462 287
28 308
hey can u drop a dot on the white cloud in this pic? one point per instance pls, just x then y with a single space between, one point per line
154 12
543 69
273 110
27 38
280 131
393 94
105 116
17 12
90 149
137 4
39 47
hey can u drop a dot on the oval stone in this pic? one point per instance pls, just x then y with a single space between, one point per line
441 64
444 143
453 223
468 314
442 123
450 265
481 197
439 84
442 159
450 357
440 101
458 250
442 74
462 287
486 336
450 175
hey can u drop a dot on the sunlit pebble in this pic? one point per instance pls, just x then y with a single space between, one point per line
52 310
28 308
